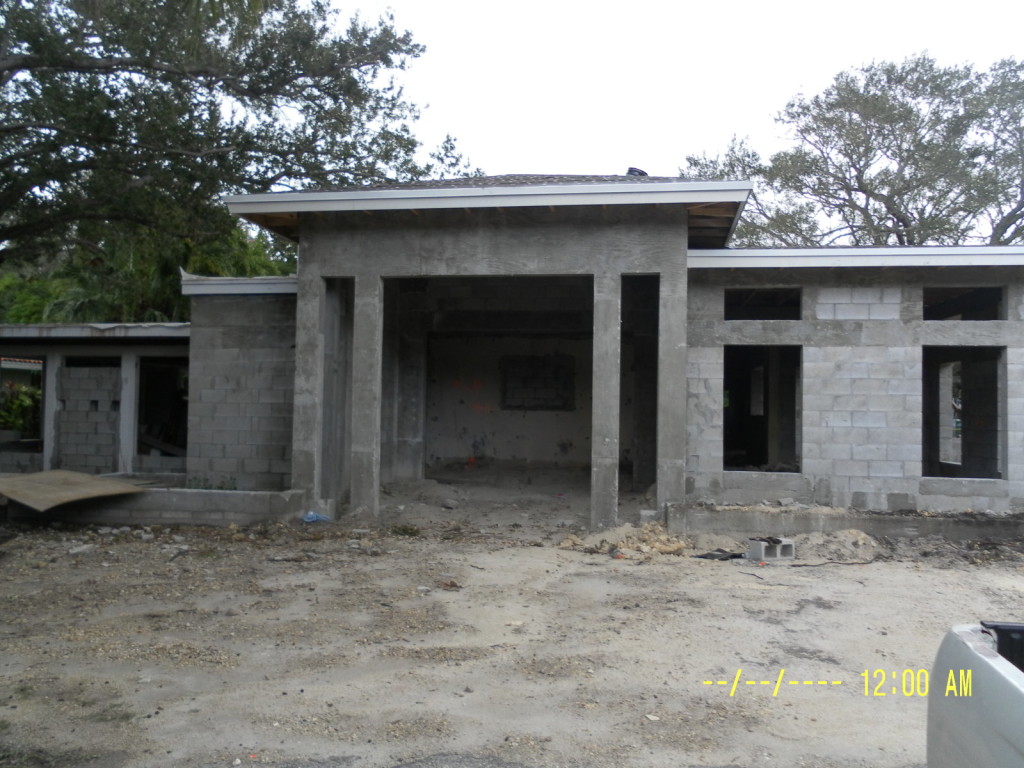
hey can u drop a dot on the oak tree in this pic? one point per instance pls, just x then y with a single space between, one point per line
909 153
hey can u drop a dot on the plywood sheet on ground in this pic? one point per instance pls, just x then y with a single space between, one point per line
44 490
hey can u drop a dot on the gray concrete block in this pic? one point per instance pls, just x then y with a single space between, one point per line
764 551
885 469
852 312
869 419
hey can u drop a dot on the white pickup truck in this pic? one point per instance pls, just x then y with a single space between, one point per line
976 698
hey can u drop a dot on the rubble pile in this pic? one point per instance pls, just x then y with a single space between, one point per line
627 541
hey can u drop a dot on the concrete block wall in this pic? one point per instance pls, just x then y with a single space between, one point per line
863 422
15 462
862 336
87 419
479 323
241 384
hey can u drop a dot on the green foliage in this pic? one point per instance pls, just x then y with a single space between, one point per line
124 121
19 407
891 154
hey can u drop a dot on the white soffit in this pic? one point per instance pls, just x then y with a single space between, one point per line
895 256
420 198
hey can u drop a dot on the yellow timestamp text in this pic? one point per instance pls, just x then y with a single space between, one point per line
914 682
877 682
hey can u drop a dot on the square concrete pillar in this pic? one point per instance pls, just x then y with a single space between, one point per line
308 403
51 405
672 385
604 445
128 415
367 356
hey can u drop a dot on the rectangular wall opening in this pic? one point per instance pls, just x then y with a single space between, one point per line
21 414
638 428
964 422
487 379
762 412
762 303
964 303
163 413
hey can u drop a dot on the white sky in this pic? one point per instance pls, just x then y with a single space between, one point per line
574 87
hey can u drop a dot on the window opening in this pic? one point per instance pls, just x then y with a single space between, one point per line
21 404
959 303
762 304
163 406
762 416
963 419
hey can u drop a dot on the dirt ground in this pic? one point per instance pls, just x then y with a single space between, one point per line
481 625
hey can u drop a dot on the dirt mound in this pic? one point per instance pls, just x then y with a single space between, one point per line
629 541
838 546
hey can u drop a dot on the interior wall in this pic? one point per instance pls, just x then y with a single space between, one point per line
465 421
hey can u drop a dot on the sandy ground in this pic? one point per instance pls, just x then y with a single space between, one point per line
488 627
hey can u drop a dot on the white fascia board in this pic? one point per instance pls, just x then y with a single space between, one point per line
197 285
789 258
681 192
96 331
19 364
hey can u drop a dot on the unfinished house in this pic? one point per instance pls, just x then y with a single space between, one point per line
596 326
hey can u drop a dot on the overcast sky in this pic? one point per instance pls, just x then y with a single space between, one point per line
573 87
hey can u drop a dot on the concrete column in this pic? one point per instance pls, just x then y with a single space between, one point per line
332 470
128 422
367 338
307 408
51 405
672 386
604 446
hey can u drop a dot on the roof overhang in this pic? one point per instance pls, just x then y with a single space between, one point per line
715 205
877 257
198 285
96 332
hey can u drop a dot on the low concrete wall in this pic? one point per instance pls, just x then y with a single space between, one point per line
761 521
176 506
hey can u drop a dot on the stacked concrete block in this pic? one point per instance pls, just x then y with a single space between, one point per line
17 462
863 421
242 369
858 302
88 418
864 428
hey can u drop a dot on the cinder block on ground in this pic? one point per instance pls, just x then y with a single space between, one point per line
768 550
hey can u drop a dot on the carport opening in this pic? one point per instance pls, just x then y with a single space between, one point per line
488 380
762 415
964 416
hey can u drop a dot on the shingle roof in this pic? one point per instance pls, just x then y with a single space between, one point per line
519 180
